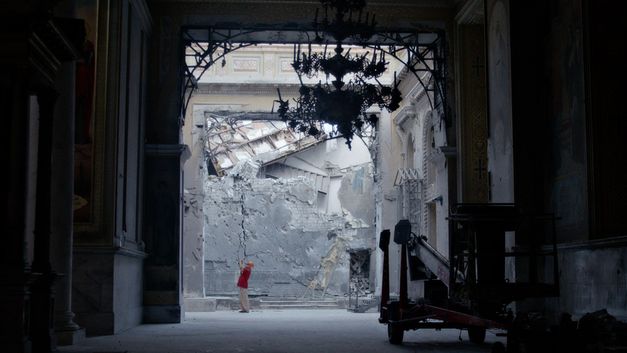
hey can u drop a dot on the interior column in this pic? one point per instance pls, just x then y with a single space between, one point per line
66 330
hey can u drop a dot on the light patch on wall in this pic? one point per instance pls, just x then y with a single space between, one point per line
245 64
225 162
285 65
329 263
262 147
242 155
358 180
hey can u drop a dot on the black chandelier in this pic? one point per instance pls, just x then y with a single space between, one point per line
341 104
422 52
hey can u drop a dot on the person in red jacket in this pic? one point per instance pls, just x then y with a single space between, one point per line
242 283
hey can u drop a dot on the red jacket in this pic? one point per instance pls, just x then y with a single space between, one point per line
242 282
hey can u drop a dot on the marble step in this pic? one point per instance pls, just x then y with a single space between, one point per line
300 306
295 303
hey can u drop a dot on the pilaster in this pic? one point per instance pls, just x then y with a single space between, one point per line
14 271
34 47
162 233
42 304
62 178
473 120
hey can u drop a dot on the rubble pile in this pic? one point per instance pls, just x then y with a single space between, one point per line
596 332
601 332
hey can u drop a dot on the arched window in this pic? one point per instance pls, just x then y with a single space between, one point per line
429 188
411 188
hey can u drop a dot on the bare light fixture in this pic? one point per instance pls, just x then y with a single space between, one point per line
341 104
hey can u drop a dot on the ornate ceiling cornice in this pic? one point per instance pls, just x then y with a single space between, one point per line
245 88
471 12
396 3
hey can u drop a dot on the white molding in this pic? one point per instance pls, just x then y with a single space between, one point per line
242 89
407 112
144 14
605 243
165 150
448 151
372 3
471 12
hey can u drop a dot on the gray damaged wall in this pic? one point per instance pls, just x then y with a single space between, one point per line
298 250
591 277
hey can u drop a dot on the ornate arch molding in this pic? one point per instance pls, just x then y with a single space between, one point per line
402 123
433 143
428 137
404 117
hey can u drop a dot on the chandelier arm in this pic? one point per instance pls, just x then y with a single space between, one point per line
420 56
205 58
328 138
434 76
424 86
187 91
224 53
438 69
410 69
215 120
229 37
196 55
187 72
212 50
344 107
424 52
433 47
200 56
362 140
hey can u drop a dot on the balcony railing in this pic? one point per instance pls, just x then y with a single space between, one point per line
404 175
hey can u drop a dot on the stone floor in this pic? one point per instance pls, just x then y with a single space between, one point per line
301 331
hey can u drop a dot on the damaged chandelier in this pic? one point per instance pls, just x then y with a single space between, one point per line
341 104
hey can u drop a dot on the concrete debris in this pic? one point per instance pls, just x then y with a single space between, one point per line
298 248
360 272
600 329
230 141
361 298
292 204
246 169
596 332
329 263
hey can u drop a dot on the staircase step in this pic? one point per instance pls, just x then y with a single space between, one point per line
299 302
299 306
286 303
297 299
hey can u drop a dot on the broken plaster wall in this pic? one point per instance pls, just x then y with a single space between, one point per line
194 172
298 249
592 277
356 194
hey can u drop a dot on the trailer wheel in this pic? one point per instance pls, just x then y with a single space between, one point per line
395 334
476 334
498 347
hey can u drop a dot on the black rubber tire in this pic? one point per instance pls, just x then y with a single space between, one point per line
476 335
395 334
498 347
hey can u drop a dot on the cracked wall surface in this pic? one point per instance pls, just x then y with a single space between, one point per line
298 214
298 249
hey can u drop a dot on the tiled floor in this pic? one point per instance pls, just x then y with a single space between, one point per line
301 331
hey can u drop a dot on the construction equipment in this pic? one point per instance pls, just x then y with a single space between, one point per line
469 289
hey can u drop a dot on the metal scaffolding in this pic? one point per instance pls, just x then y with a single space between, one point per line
422 53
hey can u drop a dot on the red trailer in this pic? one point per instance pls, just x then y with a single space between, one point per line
469 290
